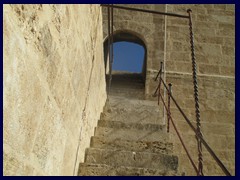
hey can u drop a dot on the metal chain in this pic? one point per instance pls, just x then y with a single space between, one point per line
195 84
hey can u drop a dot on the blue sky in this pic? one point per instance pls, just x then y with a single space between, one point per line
128 57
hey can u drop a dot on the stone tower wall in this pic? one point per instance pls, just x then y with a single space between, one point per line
149 28
167 39
214 30
54 75
54 86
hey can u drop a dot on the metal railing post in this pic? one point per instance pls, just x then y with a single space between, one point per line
176 130
112 35
169 99
109 51
195 84
159 85
209 149
110 44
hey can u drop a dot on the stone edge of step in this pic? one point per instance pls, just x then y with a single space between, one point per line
165 157
143 171
129 125
127 151
147 146
113 98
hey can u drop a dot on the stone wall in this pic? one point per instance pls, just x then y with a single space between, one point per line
147 27
214 30
54 86
167 40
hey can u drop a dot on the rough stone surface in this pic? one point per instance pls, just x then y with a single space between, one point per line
214 31
53 76
106 170
167 40
127 84
54 85
123 147
162 146
149 28
126 158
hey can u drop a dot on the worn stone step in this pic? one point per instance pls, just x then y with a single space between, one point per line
130 125
137 146
128 93
122 89
125 83
122 115
88 169
116 101
127 90
127 75
138 111
123 105
134 86
131 134
128 82
130 158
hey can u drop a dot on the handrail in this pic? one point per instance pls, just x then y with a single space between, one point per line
145 11
224 169
179 136
197 131
209 149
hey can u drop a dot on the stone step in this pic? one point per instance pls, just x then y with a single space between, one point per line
120 109
121 115
132 134
130 158
123 101
127 75
119 88
124 83
88 169
132 94
127 91
131 126
138 110
136 146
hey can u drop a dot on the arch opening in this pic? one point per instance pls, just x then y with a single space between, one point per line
129 65
128 57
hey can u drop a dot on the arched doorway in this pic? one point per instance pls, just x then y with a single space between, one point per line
129 65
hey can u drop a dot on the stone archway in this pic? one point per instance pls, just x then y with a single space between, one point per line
127 83
150 28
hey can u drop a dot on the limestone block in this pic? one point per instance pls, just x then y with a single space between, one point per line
135 146
106 170
125 158
51 53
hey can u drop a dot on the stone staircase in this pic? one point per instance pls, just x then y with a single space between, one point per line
125 84
129 141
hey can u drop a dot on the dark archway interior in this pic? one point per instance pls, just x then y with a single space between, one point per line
130 84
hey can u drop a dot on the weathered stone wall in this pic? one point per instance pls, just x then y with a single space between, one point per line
214 30
148 27
54 86
167 39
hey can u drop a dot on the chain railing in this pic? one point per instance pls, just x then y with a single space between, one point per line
169 117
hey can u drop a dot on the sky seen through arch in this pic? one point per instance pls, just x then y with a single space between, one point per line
128 57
